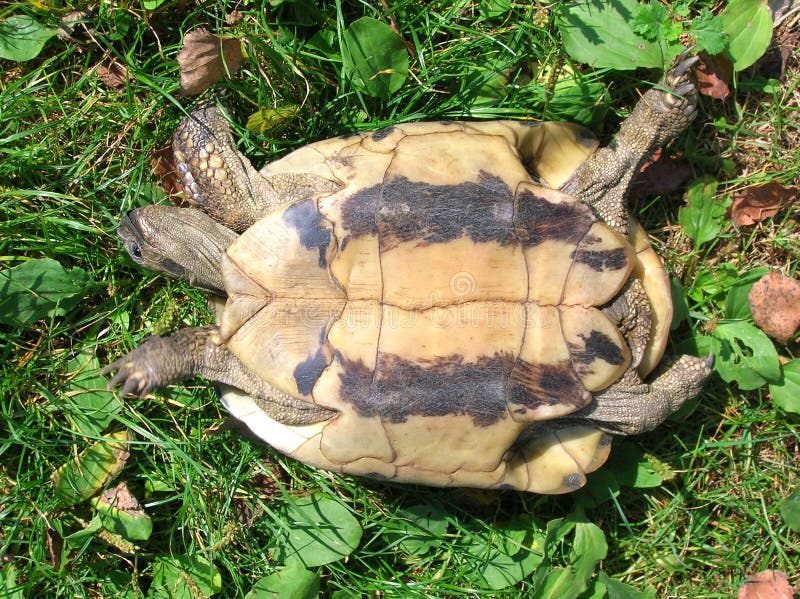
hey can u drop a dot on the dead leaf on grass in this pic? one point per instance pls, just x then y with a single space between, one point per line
205 59
114 74
122 499
164 169
769 584
775 305
714 74
660 175
759 202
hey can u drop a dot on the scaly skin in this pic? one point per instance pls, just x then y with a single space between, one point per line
183 243
161 361
221 181
604 180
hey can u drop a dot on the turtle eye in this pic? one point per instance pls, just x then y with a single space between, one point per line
135 251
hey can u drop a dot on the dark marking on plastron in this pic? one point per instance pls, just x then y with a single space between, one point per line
601 260
382 133
403 210
596 346
309 370
538 220
312 228
358 212
412 210
446 386
535 385
574 481
586 138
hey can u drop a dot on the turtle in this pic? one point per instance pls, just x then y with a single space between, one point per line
444 303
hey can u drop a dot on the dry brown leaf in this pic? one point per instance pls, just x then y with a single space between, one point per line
205 59
769 584
759 202
113 74
164 169
660 175
775 305
122 499
714 74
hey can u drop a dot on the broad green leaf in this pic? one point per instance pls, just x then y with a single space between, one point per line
506 554
419 528
702 217
184 576
619 590
601 34
320 530
92 407
375 58
88 472
707 31
577 99
749 28
790 510
152 4
23 37
632 468
680 307
589 548
39 288
601 486
737 305
786 392
324 42
294 582
711 282
267 119
744 354
9 589
494 8
651 21
561 583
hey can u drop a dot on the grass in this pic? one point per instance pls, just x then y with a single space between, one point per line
76 151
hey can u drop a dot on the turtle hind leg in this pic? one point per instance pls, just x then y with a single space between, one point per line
160 361
222 181
630 407
663 112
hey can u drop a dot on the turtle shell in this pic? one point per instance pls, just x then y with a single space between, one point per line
444 302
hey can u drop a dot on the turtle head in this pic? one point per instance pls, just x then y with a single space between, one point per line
180 242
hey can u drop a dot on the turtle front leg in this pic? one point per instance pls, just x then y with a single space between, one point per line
161 361
604 179
221 181
630 407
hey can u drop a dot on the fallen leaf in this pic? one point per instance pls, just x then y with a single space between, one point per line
167 175
769 584
714 74
205 59
122 498
75 26
759 202
114 74
775 305
660 175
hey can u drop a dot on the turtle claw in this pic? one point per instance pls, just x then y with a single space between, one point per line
135 380
676 74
